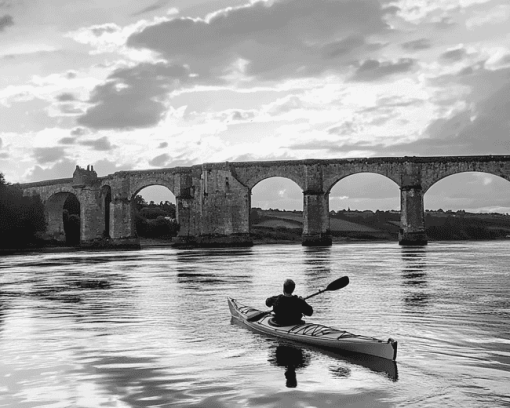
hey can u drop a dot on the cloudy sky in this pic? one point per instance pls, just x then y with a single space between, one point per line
140 84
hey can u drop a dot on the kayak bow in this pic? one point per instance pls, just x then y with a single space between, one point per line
314 334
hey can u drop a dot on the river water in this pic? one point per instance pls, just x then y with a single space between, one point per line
151 328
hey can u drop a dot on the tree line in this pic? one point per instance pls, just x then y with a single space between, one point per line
21 218
155 220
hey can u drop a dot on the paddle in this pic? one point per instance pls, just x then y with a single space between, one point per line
335 285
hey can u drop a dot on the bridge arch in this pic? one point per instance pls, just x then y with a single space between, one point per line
456 187
250 176
332 179
451 201
285 197
47 193
54 210
155 212
286 180
332 182
141 184
373 203
431 177
379 190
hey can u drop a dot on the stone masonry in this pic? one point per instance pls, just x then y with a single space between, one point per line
214 199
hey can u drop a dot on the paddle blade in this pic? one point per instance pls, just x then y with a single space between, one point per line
339 283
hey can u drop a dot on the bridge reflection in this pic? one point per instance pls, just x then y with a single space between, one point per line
414 279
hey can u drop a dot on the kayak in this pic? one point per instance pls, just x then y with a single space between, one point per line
314 334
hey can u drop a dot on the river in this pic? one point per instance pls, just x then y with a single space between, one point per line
151 328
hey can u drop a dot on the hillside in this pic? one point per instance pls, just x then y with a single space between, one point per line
274 225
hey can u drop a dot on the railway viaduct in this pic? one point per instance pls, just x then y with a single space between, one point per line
214 199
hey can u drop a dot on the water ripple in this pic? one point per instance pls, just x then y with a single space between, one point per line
152 328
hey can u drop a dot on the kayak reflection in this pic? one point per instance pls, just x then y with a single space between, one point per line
291 358
378 365
375 364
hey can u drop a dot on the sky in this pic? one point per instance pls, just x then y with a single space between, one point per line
141 84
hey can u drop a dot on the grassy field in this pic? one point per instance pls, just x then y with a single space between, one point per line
440 225
289 219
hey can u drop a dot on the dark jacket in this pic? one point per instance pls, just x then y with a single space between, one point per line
289 309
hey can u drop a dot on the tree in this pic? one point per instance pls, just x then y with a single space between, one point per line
155 220
20 217
151 213
254 216
139 202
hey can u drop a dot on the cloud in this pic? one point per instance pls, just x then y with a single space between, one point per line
3 155
337 148
444 23
267 39
484 126
104 167
165 160
239 115
134 97
454 55
25 115
285 105
373 70
481 127
346 46
48 154
160 161
390 102
5 21
99 30
101 144
64 168
66 97
79 131
346 128
416 45
67 140
70 109
322 145
153 7
162 145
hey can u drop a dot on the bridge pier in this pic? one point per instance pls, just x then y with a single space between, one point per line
186 235
54 219
412 216
217 215
91 216
122 224
316 230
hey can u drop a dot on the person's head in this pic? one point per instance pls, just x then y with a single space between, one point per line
288 286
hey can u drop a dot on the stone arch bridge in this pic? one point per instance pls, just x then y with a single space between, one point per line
214 199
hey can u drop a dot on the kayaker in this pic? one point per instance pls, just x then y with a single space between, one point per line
288 308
